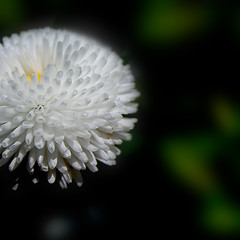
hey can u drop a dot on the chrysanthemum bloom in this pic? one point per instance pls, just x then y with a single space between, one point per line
62 101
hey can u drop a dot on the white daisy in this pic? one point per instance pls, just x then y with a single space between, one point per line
62 101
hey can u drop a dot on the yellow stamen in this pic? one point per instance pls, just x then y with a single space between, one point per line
38 74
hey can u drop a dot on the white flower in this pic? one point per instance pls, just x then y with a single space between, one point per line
62 101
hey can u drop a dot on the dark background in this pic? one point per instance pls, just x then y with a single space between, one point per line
180 69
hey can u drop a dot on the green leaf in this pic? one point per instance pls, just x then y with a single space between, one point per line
220 216
170 21
11 13
227 116
189 159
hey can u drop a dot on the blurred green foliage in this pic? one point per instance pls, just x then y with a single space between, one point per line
236 19
219 214
12 13
188 158
171 21
226 114
192 160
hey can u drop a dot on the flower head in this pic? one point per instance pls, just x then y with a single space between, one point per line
62 101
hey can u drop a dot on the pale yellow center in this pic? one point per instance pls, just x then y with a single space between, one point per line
38 74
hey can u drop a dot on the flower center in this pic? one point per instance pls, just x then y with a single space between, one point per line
39 109
38 74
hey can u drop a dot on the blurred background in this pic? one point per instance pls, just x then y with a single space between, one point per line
180 173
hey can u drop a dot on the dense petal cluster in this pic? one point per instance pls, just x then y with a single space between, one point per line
62 101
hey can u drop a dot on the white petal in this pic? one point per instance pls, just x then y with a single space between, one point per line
51 176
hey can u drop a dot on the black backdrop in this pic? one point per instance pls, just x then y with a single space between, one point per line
136 196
